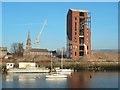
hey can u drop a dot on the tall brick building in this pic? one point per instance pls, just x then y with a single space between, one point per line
78 33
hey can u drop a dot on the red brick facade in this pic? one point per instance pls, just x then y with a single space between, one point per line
78 33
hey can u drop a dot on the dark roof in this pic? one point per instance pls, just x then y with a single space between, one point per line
38 50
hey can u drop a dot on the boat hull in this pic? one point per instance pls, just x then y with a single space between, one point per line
56 76
28 71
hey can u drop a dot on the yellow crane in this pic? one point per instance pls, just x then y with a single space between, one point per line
37 41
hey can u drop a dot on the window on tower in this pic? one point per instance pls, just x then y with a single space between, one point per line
75 25
75 53
81 13
81 48
81 53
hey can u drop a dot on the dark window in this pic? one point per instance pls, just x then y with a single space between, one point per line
75 33
75 18
82 21
81 13
75 53
81 48
75 25
81 40
81 32
81 53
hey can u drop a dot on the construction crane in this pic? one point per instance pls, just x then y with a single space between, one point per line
37 42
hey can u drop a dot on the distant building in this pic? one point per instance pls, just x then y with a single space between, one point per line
34 52
28 64
78 33
8 56
21 50
3 52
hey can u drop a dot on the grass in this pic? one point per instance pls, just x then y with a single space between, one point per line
88 66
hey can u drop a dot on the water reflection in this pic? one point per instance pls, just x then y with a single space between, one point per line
76 80
21 77
81 80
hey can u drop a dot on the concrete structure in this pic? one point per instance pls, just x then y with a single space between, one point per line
3 52
78 33
34 52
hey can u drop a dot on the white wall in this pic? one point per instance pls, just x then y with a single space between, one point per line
9 65
26 64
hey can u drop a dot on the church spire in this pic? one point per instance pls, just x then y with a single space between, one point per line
28 44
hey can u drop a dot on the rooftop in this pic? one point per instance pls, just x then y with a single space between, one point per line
38 50
79 10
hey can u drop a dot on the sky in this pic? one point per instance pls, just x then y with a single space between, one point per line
20 18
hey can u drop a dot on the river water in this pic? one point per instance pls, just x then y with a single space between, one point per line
75 80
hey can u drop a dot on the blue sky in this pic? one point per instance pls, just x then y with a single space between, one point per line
19 18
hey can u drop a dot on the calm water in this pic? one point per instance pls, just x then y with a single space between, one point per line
76 80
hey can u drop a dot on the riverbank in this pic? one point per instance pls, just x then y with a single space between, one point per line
77 66
88 66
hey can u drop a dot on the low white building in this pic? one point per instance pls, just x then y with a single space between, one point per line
9 65
28 64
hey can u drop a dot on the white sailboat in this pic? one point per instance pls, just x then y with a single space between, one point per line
55 75
63 71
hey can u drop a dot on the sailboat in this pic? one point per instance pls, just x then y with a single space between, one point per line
63 71
55 75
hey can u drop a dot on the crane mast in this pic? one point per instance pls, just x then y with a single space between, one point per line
37 38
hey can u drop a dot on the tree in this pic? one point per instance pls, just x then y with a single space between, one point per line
59 52
14 48
17 49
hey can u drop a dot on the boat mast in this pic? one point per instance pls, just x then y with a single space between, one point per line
62 59
51 61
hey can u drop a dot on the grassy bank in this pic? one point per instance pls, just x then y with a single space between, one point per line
89 66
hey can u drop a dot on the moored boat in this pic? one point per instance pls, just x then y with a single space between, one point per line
63 71
56 76
28 70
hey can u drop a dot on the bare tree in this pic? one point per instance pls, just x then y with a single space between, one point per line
59 52
14 48
17 49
